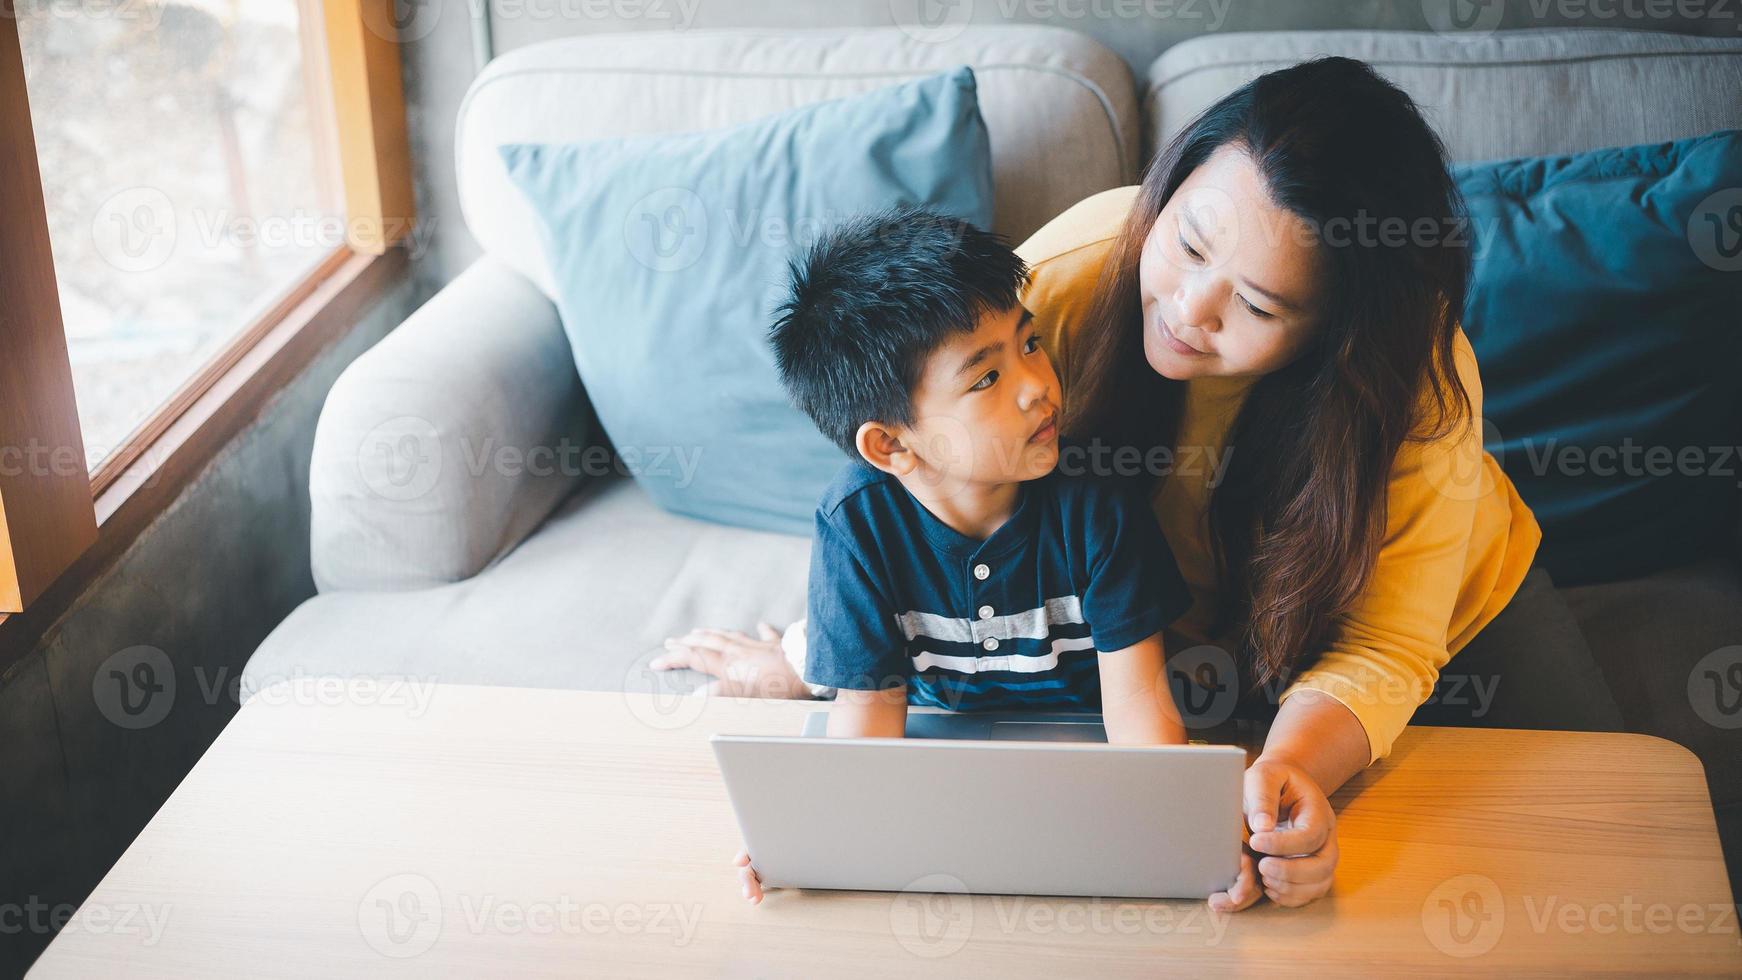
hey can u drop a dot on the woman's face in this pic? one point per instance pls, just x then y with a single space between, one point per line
1229 280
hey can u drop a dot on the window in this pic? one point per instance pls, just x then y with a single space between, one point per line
199 197
190 180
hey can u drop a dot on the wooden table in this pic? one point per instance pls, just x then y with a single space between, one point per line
472 831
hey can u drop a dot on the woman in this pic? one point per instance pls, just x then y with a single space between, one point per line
1276 304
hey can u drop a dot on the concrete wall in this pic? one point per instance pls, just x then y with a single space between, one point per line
440 37
199 590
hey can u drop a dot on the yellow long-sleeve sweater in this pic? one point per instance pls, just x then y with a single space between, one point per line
1458 539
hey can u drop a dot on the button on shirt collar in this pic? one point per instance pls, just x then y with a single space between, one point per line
1010 535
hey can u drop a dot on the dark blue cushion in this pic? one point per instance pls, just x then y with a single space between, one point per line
1606 314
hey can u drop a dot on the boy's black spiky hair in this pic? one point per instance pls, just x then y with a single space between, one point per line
871 300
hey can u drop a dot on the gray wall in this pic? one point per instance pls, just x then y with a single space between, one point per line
204 584
440 39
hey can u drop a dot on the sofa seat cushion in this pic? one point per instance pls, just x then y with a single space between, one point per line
1671 650
1656 638
583 603
1670 647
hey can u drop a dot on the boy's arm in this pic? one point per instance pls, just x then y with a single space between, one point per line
869 714
1133 589
1136 701
853 642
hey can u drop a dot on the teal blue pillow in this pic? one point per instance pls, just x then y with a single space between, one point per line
1606 314
670 254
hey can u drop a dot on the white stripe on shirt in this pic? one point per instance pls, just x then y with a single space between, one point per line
1031 624
1019 664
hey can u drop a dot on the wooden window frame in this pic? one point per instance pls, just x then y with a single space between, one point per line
58 534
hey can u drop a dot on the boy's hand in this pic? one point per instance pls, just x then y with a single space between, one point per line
748 882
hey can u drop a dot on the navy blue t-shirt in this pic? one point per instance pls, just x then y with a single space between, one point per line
899 597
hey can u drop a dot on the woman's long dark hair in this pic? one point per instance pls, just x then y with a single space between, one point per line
1297 522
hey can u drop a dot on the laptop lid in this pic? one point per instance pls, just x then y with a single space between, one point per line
999 817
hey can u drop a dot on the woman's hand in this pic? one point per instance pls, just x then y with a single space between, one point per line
1291 853
747 667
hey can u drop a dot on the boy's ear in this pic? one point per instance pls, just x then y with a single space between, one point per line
883 448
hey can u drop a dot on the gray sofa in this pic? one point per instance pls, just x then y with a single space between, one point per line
462 533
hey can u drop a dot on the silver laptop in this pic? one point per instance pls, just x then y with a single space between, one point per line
987 803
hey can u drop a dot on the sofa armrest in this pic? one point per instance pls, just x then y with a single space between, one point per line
444 445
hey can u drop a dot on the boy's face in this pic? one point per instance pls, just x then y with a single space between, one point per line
986 408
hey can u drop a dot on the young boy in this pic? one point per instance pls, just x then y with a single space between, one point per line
952 564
